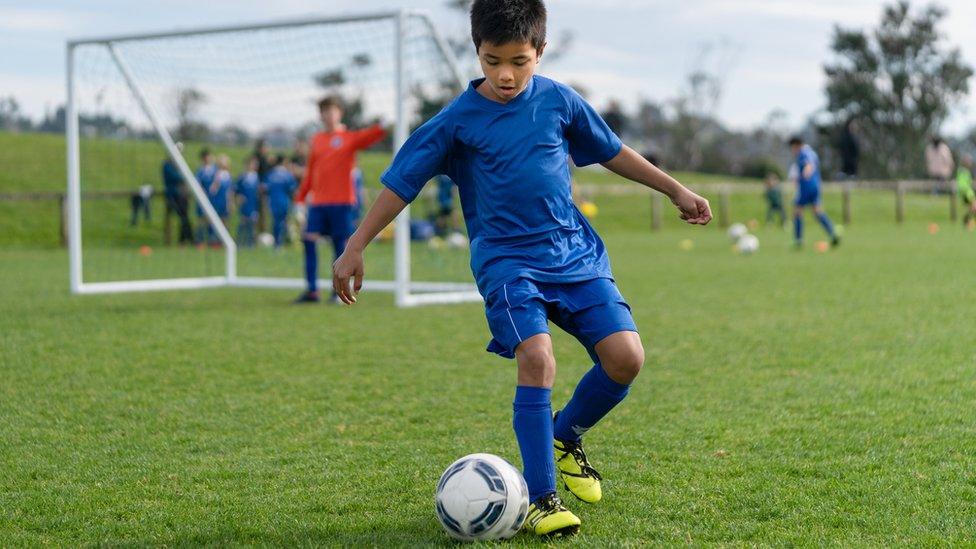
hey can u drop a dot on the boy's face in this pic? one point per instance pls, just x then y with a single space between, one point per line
331 116
508 68
795 149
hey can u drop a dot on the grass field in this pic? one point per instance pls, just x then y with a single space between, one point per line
788 398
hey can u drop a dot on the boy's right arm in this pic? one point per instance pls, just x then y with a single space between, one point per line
349 267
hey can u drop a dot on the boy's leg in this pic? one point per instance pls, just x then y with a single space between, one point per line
598 316
798 225
824 220
517 318
313 231
603 387
533 413
826 224
532 421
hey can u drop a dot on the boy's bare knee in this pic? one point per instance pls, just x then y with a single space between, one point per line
622 357
536 363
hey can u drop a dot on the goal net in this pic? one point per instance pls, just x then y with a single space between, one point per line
148 210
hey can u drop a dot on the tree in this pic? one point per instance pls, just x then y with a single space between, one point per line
900 81
11 119
188 102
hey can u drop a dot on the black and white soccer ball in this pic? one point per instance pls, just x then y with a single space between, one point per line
482 497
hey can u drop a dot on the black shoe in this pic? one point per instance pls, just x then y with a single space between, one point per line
835 241
307 297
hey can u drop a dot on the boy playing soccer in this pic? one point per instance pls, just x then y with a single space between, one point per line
808 191
506 142
329 186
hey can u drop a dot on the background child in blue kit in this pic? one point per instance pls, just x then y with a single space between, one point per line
808 191
506 143
247 190
281 185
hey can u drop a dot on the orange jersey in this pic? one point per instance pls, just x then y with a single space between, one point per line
331 159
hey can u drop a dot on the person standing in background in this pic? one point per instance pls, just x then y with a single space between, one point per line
938 162
174 190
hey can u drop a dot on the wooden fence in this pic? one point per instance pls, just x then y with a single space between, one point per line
722 206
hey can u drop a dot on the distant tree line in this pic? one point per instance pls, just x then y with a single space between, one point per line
894 86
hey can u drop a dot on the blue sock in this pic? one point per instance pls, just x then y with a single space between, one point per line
311 265
595 395
533 430
825 222
798 228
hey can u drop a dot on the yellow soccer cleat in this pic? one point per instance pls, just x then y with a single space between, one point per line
578 477
548 517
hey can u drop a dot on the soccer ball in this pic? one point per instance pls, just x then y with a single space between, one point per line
481 497
266 240
748 244
457 240
737 231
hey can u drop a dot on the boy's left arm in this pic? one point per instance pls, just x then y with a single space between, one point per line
693 208
368 137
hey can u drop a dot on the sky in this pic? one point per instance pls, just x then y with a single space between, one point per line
769 53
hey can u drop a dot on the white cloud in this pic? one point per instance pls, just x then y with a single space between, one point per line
16 19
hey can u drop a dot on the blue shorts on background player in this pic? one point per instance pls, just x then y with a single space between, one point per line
808 183
247 191
506 142
280 184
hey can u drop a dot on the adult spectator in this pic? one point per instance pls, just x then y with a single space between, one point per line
938 161
849 147
175 192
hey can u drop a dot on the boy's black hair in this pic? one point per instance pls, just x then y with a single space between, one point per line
504 21
331 101
796 140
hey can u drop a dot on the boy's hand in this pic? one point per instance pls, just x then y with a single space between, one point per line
348 269
693 208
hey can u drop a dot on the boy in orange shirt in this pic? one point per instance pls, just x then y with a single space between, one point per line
327 187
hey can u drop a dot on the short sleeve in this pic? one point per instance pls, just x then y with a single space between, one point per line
591 141
422 157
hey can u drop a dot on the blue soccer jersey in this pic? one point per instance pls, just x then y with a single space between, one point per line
511 165
247 188
205 175
807 157
219 191
281 185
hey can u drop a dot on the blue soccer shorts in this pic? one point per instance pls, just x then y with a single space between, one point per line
335 221
589 311
808 197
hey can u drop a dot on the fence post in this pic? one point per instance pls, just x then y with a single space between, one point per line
63 209
899 202
723 207
953 205
846 193
656 211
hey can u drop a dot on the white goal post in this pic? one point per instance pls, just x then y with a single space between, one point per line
408 292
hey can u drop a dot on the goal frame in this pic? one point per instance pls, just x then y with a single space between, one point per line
407 292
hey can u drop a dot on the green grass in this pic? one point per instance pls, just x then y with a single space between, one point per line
789 398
